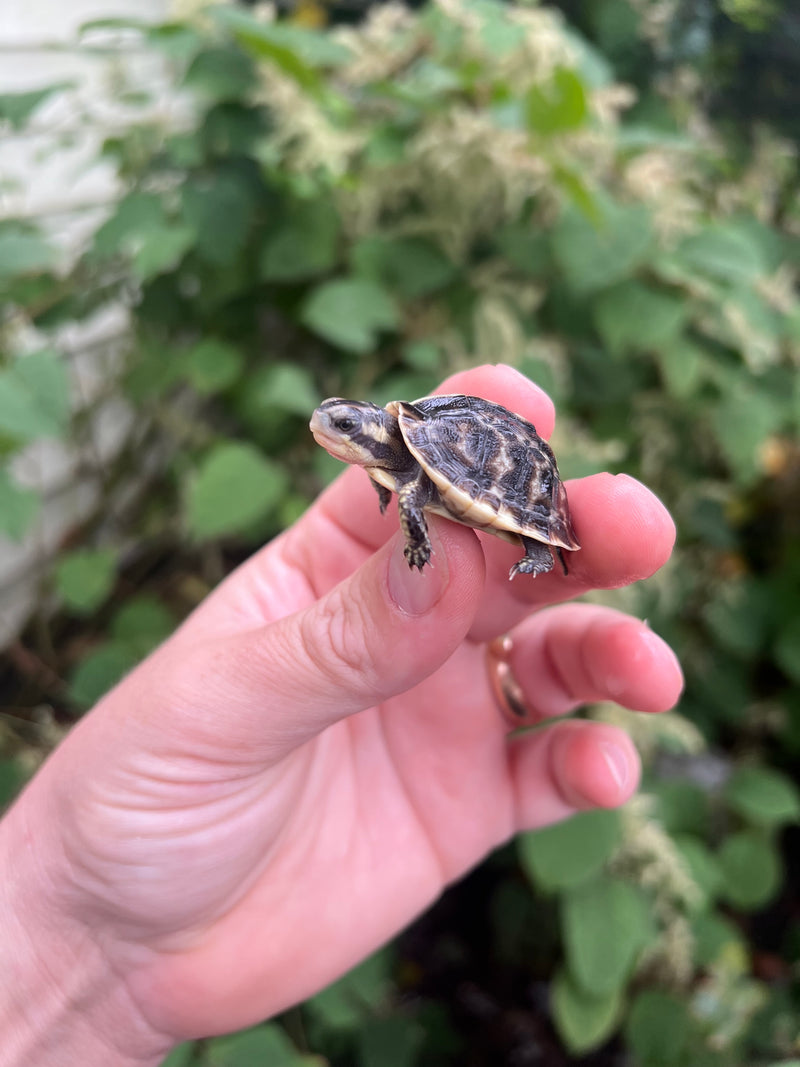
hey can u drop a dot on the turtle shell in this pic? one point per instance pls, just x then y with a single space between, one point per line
492 469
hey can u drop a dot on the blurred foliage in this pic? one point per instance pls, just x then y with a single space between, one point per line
360 211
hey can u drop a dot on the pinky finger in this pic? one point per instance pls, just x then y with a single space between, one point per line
571 766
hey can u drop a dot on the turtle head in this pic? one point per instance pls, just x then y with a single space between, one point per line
361 433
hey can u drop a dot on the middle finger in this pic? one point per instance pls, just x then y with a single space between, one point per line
626 534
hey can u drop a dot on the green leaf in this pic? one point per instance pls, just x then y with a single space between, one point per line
218 208
182 1056
112 23
305 244
142 623
558 107
134 214
658 1029
526 248
34 397
787 649
751 870
260 40
763 796
740 615
350 313
18 507
314 48
23 251
175 39
17 108
742 420
702 865
579 192
582 1020
85 578
391 1042
715 938
357 996
12 779
267 1044
234 487
725 252
423 356
99 671
605 924
594 256
161 250
633 317
683 807
289 387
412 266
221 74
212 365
681 363
564 855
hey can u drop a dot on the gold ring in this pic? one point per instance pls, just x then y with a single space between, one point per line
506 689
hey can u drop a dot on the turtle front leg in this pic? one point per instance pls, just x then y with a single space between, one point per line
411 499
538 558
384 495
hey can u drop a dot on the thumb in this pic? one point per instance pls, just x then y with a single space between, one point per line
378 633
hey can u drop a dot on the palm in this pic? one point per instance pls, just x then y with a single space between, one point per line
342 841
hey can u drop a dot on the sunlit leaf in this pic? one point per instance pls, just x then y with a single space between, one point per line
558 106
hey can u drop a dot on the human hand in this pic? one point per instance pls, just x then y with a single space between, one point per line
316 753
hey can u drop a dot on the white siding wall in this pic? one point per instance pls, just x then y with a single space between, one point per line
46 173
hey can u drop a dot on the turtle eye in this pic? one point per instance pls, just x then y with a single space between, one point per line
345 425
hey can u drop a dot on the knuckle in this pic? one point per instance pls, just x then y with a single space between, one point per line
340 639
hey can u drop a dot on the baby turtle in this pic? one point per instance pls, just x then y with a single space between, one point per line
458 456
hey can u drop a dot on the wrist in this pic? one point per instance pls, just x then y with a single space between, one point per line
61 1000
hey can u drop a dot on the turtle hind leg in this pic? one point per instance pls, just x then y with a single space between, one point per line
411 500
538 559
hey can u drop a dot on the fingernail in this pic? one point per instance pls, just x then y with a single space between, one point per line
416 592
659 650
617 762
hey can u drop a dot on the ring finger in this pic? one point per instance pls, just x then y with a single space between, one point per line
572 654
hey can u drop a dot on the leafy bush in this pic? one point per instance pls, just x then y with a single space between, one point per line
358 212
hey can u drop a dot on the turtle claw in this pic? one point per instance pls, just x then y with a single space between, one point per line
417 555
538 559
